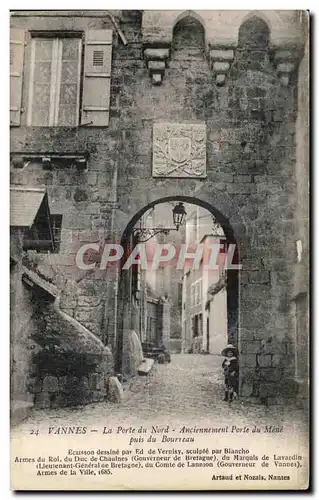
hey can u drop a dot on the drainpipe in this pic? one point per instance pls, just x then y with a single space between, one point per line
113 211
114 200
112 291
117 28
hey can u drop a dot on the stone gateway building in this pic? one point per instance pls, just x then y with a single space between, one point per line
115 112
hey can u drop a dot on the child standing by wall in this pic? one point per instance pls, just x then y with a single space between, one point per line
231 371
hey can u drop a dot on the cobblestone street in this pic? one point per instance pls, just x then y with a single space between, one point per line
190 388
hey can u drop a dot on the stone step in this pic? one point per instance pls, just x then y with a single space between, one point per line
145 367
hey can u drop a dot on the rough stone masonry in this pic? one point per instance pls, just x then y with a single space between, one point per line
235 71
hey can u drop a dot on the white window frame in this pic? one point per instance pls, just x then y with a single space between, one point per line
55 84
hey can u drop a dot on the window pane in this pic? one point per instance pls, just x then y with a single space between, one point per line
69 72
67 116
56 63
68 93
70 50
43 49
41 104
69 84
42 82
42 72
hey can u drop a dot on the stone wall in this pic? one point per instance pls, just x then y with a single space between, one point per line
55 360
251 158
300 305
70 365
85 198
250 180
51 391
24 320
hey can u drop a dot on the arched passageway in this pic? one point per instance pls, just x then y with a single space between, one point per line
129 314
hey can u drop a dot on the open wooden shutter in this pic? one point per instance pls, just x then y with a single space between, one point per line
16 73
97 78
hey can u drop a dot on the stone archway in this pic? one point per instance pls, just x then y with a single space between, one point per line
125 311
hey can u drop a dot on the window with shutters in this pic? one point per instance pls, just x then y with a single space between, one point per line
54 88
96 78
55 78
16 70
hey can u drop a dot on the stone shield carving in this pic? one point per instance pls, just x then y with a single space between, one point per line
179 150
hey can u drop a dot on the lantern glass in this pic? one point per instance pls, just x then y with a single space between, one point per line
179 213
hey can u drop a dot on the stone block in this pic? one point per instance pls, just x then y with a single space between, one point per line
246 188
106 366
279 115
115 390
289 388
88 300
220 79
156 66
132 353
93 327
251 347
267 347
92 178
248 334
243 178
256 92
96 381
100 382
248 360
264 360
259 277
83 316
98 396
36 386
148 363
156 54
222 55
246 389
62 382
72 384
213 136
276 360
42 400
50 384
247 383
257 114
68 302
84 383
270 374
227 178
221 67
267 390
84 236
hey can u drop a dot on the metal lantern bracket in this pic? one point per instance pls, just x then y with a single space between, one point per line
145 234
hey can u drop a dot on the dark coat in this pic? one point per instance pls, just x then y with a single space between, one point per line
231 371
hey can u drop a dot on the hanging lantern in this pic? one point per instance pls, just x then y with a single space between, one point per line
179 213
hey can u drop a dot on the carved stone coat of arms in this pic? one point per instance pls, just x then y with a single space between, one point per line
179 150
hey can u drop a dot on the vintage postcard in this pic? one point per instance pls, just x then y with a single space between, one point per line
159 254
